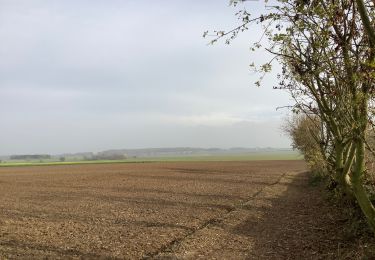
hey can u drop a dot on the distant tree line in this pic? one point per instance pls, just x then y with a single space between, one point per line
109 156
30 157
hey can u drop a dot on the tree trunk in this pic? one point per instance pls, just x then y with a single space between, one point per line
339 153
358 189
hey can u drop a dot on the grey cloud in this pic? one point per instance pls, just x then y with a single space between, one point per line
90 75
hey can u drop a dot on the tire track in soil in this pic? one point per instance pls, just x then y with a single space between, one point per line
168 248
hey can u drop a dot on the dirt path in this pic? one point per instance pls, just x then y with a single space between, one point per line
288 219
228 210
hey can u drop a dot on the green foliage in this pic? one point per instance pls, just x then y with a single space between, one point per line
305 133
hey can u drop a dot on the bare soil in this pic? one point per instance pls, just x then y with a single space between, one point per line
179 210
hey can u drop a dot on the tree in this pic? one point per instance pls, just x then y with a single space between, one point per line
306 135
327 51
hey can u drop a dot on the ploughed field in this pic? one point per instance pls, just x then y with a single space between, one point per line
188 210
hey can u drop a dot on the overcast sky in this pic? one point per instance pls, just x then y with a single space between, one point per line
90 75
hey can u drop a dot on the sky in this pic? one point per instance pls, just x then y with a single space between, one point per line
91 75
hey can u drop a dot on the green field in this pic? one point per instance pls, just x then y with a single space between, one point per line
288 155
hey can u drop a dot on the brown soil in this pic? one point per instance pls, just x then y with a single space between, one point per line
207 210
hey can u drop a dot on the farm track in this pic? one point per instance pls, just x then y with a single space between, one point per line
175 210
168 249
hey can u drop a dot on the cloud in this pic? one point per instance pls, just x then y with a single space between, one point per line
89 75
